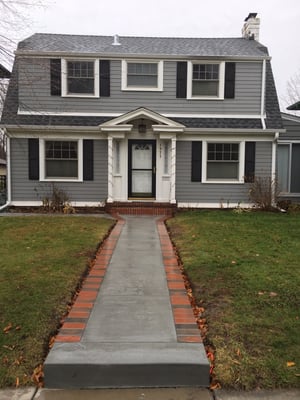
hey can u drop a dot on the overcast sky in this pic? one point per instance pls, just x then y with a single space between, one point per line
279 30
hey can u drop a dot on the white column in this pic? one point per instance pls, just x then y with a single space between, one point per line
110 170
173 171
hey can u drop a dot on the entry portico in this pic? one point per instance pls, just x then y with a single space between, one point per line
141 156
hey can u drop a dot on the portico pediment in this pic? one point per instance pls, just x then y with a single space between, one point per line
125 122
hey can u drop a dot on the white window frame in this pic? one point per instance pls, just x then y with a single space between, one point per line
221 89
241 168
64 80
42 160
160 72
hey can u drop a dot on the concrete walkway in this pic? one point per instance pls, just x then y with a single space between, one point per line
132 324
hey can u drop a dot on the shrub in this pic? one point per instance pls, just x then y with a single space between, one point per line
263 193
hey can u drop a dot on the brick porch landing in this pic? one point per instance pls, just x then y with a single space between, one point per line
140 208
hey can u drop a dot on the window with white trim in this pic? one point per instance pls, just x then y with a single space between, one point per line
206 80
80 78
61 160
223 161
142 75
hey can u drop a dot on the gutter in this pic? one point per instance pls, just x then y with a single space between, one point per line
121 56
8 176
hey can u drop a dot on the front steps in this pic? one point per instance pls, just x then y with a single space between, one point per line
140 208
127 365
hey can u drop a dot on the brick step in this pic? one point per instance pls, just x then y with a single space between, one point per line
140 208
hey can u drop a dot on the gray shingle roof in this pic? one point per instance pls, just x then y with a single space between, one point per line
201 47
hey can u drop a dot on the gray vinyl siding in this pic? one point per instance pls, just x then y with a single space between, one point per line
34 93
225 194
292 130
263 159
24 189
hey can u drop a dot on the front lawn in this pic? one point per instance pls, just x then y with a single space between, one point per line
245 273
42 259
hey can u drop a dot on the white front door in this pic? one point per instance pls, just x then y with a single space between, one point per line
141 168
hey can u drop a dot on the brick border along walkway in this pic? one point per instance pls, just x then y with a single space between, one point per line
73 326
185 322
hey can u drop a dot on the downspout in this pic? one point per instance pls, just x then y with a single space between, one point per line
263 95
273 171
8 175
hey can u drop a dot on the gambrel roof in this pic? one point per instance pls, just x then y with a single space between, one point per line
57 45
143 46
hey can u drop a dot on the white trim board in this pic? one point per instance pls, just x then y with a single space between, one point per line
108 114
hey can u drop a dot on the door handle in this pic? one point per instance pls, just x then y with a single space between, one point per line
154 170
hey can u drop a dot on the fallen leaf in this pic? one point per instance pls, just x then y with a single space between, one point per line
7 328
215 386
290 364
273 294
261 293
233 262
238 352
17 328
17 382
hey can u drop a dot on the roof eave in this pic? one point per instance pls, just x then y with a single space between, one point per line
29 53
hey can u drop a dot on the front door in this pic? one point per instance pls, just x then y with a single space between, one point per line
141 168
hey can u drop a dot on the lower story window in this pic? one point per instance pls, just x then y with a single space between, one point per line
222 161
61 159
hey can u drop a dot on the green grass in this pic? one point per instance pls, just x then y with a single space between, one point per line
42 260
245 272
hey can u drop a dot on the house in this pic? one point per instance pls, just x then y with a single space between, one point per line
180 121
288 157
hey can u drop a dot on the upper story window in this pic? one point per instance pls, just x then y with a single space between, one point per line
205 80
80 78
142 75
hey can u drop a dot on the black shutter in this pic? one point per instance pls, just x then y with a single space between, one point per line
196 161
33 159
88 160
55 77
181 81
229 80
104 78
249 161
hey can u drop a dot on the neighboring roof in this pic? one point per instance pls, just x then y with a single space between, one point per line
291 117
295 106
198 47
4 73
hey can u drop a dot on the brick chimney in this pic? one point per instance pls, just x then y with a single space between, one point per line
251 27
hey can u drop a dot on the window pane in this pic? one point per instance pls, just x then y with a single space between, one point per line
222 170
205 88
283 160
142 80
80 85
61 169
